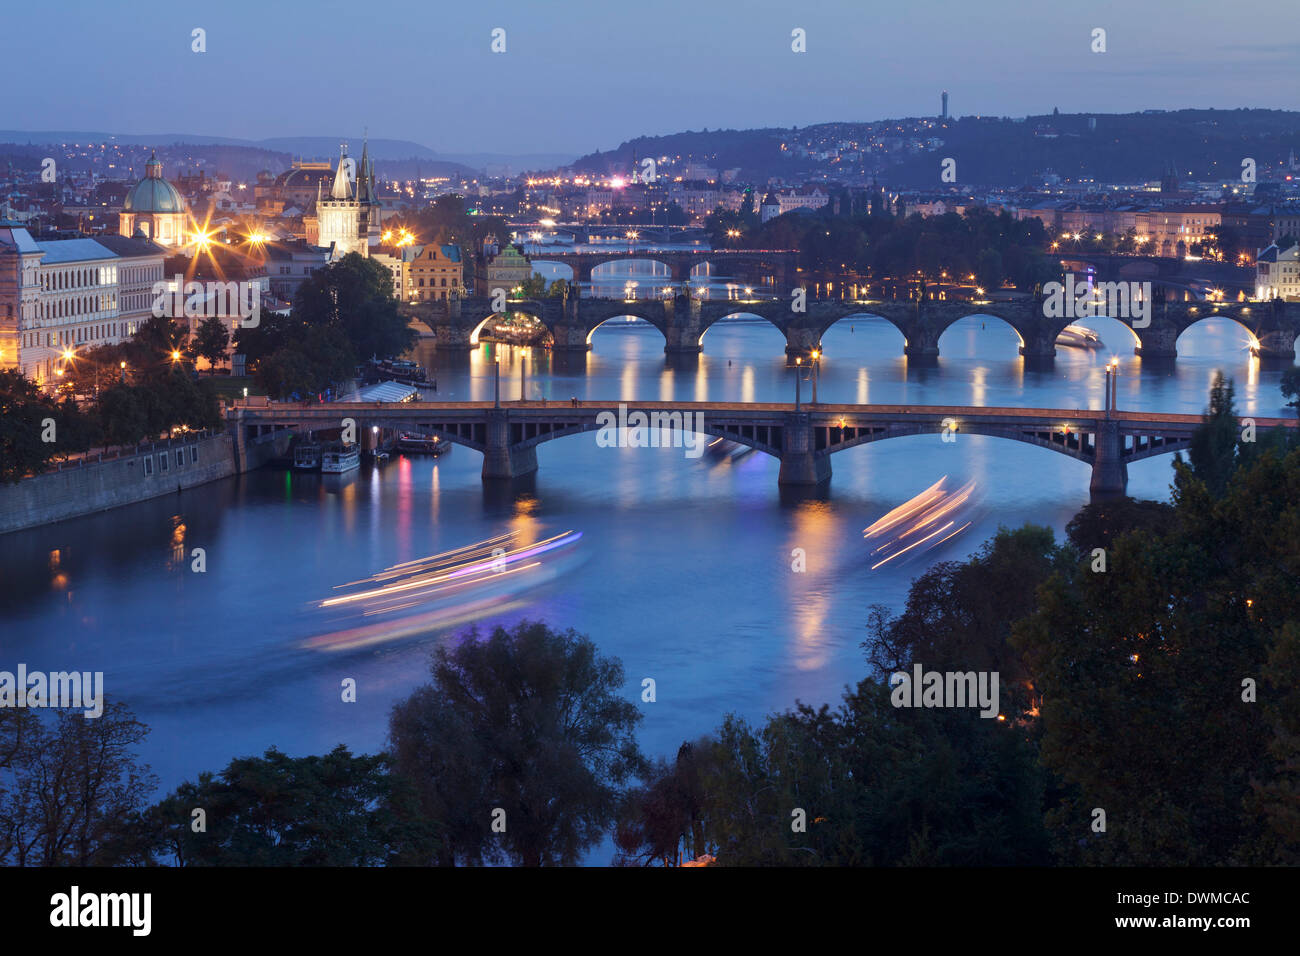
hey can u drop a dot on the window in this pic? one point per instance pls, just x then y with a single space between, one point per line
180 457
194 454
163 462
148 466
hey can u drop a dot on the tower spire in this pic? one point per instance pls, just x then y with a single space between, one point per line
342 185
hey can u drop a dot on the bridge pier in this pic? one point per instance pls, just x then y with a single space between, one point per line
1158 342
1109 470
682 326
1277 345
1039 351
569 338
500 459
800 465
800 342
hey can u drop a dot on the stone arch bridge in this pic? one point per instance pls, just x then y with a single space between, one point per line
750 264
684 320
803 438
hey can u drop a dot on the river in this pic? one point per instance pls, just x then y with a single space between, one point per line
683 569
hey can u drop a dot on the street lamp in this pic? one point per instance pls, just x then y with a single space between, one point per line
1112 378
816 368
798 371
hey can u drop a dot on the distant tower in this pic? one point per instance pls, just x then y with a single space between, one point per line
944 114
1169 181
339 217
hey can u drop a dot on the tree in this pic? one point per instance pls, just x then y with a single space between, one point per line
274 810
122 415
1098 524
71 787
1291 387
26 417
529 723
1213 450
534 287
316 358
355 296
151 350
663 820
1146 674
988 269
210 341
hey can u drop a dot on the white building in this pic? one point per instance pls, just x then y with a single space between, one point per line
1277 273
60 297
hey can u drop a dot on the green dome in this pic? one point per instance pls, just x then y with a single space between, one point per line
153 193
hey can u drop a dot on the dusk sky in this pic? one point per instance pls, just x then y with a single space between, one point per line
579 75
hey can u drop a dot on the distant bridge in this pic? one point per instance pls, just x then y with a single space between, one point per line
684 320
753 265
802 439
587 232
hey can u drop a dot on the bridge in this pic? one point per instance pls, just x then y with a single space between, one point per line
683 320
803 438
586 232
753 265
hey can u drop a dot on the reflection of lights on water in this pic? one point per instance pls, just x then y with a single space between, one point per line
919 515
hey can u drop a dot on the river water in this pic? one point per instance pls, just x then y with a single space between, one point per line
683 569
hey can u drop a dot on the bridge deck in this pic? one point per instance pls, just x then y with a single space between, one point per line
405 409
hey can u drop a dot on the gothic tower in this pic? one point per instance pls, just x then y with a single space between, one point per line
340 219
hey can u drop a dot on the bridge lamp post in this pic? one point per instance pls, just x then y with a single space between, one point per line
816 369
1112 376
496 381
798 372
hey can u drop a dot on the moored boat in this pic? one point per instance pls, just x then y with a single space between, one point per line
306 456
338 461
422 444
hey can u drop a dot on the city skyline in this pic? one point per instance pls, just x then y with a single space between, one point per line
674 72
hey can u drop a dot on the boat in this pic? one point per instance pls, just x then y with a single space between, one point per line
338 461
397 370
422 444
1079 337
306 456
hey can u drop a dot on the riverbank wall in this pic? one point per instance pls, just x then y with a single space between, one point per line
124 476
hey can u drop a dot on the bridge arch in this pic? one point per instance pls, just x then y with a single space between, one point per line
982 316
557 264
859 314
527 307
1251 331
623 316
1108 325
765 311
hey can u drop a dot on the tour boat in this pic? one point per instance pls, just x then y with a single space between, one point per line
1078 337
337 461
306 456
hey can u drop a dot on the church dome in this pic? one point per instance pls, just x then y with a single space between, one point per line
153 194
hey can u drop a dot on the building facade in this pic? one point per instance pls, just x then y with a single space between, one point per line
63 296
1277 273
436 274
